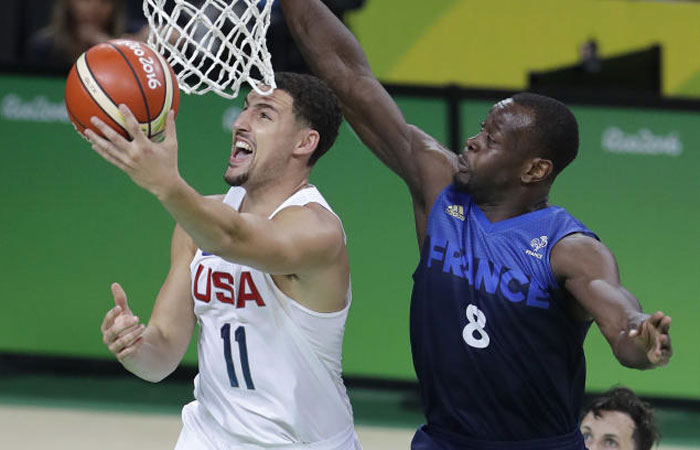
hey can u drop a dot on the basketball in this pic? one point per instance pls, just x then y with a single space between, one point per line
116 72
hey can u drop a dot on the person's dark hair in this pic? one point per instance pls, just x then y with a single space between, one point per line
316 105
622 399
555 131
64 25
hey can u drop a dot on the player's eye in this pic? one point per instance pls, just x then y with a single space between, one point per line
265 115
610 443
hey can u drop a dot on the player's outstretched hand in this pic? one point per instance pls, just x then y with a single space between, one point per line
653 336
151 165
121 330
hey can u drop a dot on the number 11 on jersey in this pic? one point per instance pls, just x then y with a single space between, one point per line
239 335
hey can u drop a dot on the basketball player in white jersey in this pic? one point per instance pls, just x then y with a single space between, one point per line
264 272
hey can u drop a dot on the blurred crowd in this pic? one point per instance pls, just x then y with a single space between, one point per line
49 35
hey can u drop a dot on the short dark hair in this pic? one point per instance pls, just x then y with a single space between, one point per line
315 105
624 400
555 130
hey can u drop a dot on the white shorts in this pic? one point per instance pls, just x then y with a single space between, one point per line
200 431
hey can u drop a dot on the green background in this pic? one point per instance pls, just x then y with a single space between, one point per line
72 224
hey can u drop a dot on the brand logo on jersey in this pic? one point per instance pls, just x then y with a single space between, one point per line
456 211
537 244
220 285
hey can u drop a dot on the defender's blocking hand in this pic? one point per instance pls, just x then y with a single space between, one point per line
653 336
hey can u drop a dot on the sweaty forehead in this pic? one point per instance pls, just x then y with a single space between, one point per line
508 115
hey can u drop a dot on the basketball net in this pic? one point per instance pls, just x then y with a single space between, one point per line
213 45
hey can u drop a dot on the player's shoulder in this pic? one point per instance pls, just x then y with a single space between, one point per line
579 241
311 214
579 252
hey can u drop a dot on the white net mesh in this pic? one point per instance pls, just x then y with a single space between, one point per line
213 45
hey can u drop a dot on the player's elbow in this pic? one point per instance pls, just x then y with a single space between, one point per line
154 378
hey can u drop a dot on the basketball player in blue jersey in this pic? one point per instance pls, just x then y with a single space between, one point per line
507 284
264 272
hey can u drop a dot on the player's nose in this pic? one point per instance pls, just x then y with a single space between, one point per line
241 122
471 144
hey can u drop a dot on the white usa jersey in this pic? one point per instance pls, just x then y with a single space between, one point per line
269 368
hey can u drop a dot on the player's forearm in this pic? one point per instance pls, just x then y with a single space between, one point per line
336 56
212 225
328 46
154 359
628 349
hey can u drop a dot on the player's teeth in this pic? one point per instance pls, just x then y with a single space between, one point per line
243 145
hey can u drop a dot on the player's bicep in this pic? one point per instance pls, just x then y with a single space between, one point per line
589 272
377 120
405 149
296 240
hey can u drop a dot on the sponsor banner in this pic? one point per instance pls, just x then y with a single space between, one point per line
641 142
22 108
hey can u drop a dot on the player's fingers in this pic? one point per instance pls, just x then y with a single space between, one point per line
170 132
106 150
131 124
113 337
129 351
665 342
120 297
109 318
665 324
656 318
110 134
126 339
122 324
661 357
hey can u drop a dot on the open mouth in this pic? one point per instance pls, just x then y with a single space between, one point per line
241 151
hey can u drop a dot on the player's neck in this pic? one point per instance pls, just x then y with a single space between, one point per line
504 208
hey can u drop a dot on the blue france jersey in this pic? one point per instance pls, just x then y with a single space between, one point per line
497 356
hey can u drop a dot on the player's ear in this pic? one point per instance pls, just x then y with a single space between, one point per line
538 169
308 142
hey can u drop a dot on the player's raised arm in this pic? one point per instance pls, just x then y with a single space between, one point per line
301 239
152 352
589 272
336 56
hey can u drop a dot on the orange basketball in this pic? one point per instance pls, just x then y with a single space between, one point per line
116 72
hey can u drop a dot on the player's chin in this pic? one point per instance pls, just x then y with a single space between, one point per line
235 177
461 181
